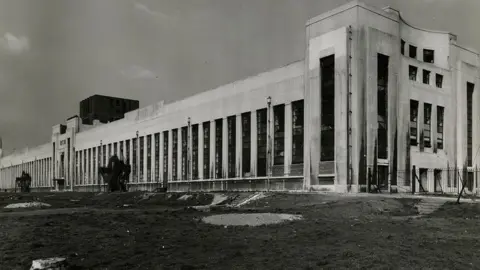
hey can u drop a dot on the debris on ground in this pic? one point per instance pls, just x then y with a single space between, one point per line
185 197
146 196
254 197
218 199
28 205
254 219
50 263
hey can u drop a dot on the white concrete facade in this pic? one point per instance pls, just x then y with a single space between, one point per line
270 155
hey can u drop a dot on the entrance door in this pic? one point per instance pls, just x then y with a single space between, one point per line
383 177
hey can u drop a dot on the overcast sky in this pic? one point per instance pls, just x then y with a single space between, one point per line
54 53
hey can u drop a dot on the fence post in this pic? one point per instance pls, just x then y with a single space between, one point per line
414 175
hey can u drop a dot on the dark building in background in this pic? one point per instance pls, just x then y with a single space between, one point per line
105 109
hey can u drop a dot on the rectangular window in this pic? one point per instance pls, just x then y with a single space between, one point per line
426 76
297 132
439 80
185 153
428 56
104 154
440 115
413 122
134 160
115 148
402 47
109 151
327 108
218 147
413 51
470 88
149 158
412 73
279 134
382 105
165 156
246 142
157 156
232 136
427 123
195 151
262 142
174 154
141 154
127 151
122 153
94 160
206 150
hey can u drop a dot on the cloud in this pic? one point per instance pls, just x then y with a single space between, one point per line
143 8
137 72
14 45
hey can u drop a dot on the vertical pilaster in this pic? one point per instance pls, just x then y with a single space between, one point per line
179 154
189 152
152 158
130 158
288 138
161 157
145 158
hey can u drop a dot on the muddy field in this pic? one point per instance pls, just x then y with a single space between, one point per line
162 231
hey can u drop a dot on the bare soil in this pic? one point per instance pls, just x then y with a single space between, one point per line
161 232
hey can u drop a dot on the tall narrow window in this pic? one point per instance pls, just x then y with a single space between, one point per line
195 151
122 153
114 148
440 113
206 150
157 156
327 108
127 151
439 80
413 122
109 151
412 51
427 123
134 160
84 167
174 154
232 136
246 142
68 157
185 153
165 156
279 134
218 147
297 132
412 73
470 88
77 164
94 161
99 157
428 56
104 155
426 76
262 142
402 47
141 153
149 158
382 105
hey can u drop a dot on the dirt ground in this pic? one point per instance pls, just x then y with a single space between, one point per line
159 231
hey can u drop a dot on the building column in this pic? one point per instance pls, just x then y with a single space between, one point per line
238 146
200 151
212 149
225 147
152 158
253 139
287 153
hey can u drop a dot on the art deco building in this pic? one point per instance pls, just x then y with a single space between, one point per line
373 98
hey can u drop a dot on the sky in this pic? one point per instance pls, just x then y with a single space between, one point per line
54 53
